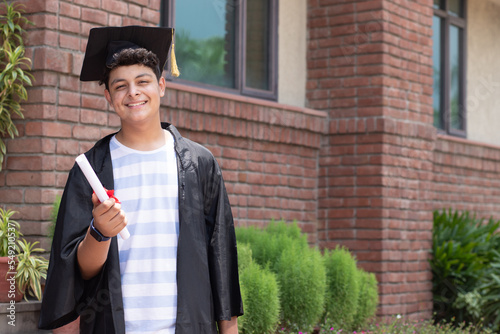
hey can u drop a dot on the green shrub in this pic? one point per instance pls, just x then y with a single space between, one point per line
14 76
302 279
260 294
367 299
302 274
292 230
462 252
342 292
244 256
490 289
267 245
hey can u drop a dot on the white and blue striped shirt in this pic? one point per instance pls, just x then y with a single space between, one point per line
146 185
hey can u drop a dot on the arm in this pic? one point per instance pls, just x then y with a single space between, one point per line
228 327
109 219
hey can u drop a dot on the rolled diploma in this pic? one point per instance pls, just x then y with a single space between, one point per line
89 173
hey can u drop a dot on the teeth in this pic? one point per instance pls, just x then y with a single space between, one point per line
136 104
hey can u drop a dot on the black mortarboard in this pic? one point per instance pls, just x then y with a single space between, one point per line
104 42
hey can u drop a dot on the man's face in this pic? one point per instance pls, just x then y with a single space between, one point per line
134 92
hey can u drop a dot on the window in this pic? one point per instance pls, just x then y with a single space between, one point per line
229 45
449 46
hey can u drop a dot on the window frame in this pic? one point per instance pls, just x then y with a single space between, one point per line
448 20
167 15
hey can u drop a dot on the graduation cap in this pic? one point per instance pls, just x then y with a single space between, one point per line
104 42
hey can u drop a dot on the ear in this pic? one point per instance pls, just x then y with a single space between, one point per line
162 83
107 95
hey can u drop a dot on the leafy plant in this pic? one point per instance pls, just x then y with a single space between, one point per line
268 245
490 289
367 298
30 269
302 279
462 251
260 294
14 75
9 232
343 287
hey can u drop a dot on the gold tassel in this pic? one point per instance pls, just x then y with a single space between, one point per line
174 70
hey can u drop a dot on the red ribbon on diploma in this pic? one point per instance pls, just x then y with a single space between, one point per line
111 194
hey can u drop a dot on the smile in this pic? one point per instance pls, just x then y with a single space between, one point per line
136 104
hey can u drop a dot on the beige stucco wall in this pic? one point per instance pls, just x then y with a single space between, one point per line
292 52
483 71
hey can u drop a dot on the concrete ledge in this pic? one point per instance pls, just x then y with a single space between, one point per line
24 315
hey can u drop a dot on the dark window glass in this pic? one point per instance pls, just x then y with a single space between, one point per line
436 63
437 4
449 46
257 44
204 41
455 7
455 98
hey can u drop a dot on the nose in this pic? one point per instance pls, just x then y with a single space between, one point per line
133 90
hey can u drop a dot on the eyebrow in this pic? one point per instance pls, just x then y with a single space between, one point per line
137 77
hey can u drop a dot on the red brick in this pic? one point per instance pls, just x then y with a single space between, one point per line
114 6
67 98
94 16
48 129
43 196
134 11
114 20
52 59
69 42
30 163
153 4
42 37
70 10
86 132
93 117
89 3
150 16
69 25
31 145
45 20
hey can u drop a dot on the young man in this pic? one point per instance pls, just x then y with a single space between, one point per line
177 273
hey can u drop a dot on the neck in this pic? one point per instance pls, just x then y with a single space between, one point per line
142 139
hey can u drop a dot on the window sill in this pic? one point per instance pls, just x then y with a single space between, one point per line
465 141
244 99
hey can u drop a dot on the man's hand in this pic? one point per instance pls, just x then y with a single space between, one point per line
109 219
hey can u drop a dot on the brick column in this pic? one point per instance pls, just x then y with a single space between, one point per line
370 68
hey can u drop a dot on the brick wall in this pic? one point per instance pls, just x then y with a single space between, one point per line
268 151
466 177
370 68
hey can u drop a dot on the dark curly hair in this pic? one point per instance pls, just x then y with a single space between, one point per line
127 57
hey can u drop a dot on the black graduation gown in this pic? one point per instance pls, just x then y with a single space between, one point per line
207 273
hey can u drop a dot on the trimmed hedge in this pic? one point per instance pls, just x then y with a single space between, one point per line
259 290
367 299
311 289
302 278
343 291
